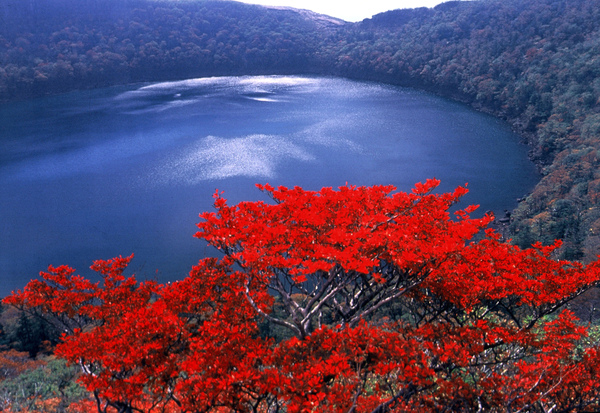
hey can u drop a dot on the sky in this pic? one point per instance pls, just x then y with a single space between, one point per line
349 10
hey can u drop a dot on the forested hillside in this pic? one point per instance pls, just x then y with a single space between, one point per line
533 63
56 46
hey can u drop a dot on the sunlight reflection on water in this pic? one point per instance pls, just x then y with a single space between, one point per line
214 158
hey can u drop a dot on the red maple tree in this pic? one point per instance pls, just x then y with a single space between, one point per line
351 300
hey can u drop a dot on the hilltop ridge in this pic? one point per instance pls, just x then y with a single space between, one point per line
323 20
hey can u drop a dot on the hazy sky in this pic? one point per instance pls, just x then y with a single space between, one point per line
349 10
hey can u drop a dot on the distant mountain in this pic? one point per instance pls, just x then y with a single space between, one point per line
322 20
535 63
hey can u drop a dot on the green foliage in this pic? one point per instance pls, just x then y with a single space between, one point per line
32 388
33 335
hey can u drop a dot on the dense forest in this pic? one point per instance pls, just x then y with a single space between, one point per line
51 47
533 63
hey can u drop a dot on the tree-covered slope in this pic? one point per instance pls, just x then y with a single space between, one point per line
50 46
533 63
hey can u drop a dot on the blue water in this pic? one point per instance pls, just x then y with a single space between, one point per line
123 170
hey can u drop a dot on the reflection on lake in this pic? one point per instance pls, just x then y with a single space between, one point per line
124 170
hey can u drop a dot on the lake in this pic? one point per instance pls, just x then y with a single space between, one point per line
96 174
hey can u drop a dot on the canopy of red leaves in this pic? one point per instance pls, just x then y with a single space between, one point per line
391 302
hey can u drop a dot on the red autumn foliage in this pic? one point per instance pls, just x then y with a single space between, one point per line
391 303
